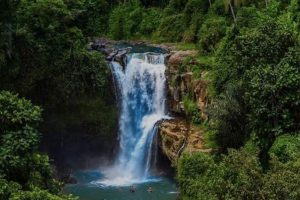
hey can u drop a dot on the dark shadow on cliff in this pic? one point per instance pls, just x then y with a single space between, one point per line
81 135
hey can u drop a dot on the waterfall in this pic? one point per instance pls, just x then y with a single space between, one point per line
141 88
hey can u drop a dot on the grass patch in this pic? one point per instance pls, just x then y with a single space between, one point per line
185 46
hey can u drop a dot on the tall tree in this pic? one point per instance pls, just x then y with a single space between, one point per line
8 10
231 4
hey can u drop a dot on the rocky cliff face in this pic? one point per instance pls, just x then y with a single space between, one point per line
179 135
182 83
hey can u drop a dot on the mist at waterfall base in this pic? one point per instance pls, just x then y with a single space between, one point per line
164 189
141 96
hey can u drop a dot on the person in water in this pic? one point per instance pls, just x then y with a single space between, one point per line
132 189
149 189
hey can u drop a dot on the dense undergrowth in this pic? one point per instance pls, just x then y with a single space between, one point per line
44 57
250 49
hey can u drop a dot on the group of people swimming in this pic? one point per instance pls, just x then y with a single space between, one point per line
133 189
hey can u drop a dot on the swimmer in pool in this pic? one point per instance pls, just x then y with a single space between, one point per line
132 189
149 189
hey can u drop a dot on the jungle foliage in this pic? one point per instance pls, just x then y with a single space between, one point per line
44 57
24 172
237 175
255 78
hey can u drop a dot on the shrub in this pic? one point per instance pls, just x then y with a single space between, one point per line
193 15
124 21
175 6
171 28
228 119
117 25
93 21
236 176
286 148
211 32
20 164
150 21
192 110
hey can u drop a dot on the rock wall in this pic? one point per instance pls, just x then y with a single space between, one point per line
182 83
179 135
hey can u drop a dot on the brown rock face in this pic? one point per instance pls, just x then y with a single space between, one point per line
176 59
172 134
178 136
201 96
182 84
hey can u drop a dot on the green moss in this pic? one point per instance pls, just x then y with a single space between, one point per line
185 46
191 110
208 136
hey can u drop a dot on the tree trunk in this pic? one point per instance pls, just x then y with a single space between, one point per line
264 156
232 12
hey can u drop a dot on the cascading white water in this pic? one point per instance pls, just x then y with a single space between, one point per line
142 97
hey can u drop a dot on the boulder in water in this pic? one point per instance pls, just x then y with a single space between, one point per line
70 180
102 45
119 56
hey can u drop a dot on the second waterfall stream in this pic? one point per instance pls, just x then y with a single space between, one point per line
141 93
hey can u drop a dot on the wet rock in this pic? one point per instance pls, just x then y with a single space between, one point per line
111 49
69 180
64 174
167 56
178 84
111 56
98 46
102 45
119 56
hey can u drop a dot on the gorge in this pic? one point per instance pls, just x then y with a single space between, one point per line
141 87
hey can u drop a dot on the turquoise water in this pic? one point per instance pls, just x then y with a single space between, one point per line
87 189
